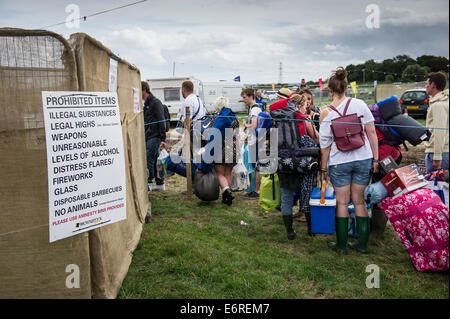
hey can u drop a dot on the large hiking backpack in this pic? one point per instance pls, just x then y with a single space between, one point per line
296 152
420 220
166 117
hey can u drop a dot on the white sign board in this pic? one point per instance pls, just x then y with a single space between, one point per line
136 97
112 75
85 161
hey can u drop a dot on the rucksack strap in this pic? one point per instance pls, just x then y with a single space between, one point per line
198 110
345 109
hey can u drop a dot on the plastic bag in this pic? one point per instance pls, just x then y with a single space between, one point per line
440 188
375 193
269 195
239 177
161 170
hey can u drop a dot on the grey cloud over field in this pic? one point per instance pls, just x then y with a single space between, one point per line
215 40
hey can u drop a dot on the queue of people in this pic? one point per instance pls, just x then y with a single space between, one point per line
348 168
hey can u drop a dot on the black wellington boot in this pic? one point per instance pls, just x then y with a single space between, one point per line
227 197
308 222
291 234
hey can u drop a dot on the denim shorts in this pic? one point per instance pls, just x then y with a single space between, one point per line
357 172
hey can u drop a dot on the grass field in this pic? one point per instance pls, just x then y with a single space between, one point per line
200 250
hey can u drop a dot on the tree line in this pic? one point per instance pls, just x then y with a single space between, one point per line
401 68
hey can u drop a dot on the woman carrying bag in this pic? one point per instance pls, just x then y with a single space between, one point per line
308 180
230 147
349 148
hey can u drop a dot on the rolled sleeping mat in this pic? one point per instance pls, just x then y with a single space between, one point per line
389 108
206 185
414 135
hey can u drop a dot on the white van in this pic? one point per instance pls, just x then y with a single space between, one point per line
168 91
231 90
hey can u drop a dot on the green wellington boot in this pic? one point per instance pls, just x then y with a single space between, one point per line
340 245
362 228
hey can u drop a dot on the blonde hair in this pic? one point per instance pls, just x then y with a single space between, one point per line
220 103
299 100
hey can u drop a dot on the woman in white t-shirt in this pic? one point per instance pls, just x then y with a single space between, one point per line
350 171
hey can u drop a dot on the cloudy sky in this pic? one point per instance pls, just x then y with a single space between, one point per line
218 40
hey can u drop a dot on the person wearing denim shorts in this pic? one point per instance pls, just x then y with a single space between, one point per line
350 171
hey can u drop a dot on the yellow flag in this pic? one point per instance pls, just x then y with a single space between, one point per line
353 85
273 86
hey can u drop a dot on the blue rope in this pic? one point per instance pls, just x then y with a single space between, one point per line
298 120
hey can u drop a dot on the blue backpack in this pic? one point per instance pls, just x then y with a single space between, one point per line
222 121
264 122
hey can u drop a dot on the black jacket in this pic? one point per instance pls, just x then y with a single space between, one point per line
154 112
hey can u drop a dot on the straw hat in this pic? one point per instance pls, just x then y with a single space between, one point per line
284 93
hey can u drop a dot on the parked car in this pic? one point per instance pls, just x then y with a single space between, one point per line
271 96
415 101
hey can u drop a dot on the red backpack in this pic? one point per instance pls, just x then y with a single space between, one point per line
347 130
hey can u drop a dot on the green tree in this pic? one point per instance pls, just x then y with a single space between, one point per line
400 64
414 73
389 78
434 63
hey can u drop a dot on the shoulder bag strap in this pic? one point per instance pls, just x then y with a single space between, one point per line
346 106
198 110
334 109
345 110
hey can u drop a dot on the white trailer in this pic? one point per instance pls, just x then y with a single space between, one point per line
231 90
168 91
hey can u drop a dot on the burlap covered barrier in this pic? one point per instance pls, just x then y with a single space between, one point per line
30 266
111 246
383 91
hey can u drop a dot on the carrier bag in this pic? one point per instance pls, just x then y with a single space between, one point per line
206 185
269 195
161 170
239 177
437 183
347 130
375 193
420 220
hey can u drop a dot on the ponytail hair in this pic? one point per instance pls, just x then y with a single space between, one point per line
338 82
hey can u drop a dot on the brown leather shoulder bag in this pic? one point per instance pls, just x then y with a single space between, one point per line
347 130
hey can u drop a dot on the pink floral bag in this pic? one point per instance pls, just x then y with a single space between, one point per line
420 220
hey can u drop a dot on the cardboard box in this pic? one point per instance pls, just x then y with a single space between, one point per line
403 180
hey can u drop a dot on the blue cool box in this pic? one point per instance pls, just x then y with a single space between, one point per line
322 215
